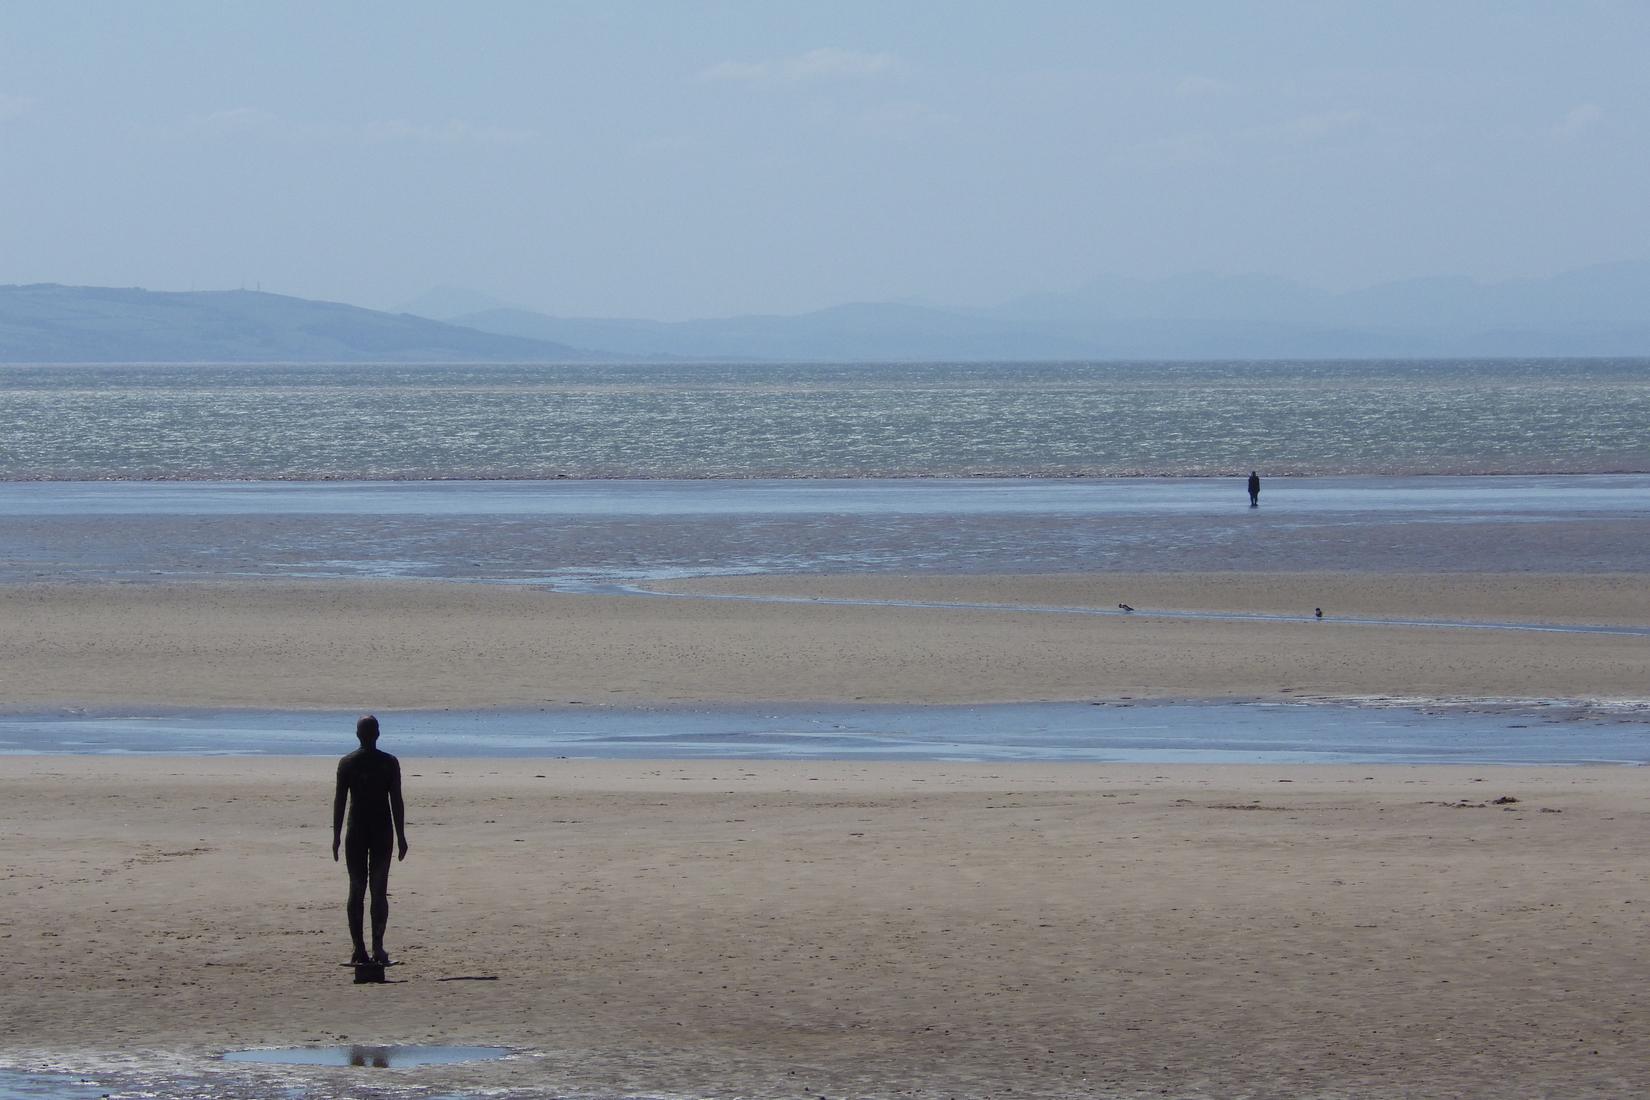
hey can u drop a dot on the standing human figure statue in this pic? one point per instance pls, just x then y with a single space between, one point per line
369 781
1254 489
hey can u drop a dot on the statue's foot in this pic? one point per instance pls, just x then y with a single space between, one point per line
380 956
360 957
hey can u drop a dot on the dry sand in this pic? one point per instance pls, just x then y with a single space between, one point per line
761 929
390 645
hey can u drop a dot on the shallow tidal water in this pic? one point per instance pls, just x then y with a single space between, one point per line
593 536
367 1056
347 1073
586 532
1383 732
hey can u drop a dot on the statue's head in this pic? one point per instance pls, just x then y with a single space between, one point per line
366 728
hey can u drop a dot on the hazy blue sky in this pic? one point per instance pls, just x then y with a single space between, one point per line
689 159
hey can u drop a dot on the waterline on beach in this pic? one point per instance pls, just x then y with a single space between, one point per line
1377 731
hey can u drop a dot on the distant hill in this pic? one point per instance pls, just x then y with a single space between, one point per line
1603 310
47 323
860 331
1596 311
443 303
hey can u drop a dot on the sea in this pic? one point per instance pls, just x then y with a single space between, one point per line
616 478
858 420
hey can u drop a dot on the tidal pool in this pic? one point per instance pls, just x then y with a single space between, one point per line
375 1057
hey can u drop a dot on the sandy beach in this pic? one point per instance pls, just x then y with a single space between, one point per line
410 645
836 929
764 929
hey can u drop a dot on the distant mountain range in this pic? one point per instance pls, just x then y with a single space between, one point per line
1595 311
47 323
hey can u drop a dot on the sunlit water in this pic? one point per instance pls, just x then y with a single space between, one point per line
857 420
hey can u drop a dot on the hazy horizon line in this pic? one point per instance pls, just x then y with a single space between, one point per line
505 301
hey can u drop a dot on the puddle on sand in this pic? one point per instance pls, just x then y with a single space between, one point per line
376 1057
27 1086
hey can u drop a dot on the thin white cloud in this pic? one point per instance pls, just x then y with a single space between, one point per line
1203 146
1312 129
826 63
1200 87
236 120
242 121
902 119
1173 150
14 106
448 133
666 145
1578 120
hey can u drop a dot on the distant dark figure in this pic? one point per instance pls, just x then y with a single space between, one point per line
1254 489
1317 612
1125 607
369 781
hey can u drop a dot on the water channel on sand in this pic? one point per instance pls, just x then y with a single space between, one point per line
1377 732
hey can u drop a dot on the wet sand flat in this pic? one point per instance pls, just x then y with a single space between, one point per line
384 645
1606 599
750 929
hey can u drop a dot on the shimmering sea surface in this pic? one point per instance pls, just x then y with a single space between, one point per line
845 420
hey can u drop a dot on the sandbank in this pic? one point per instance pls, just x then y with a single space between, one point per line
417 645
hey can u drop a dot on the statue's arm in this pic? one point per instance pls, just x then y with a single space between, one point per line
398 810
340 796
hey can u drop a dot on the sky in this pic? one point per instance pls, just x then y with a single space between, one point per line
696 158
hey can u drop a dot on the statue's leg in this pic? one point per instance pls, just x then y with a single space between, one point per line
355 855
380 878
